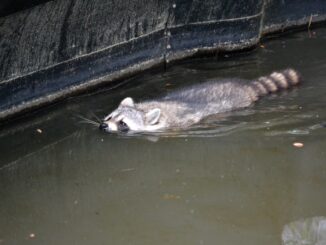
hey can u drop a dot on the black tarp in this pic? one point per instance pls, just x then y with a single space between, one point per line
50 49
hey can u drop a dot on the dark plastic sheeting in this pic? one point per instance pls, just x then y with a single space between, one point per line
281 14
64 46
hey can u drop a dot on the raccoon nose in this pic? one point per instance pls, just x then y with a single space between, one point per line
103 125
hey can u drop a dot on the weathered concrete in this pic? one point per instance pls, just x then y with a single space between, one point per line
64 46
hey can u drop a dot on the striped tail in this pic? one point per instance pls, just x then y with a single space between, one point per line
275 82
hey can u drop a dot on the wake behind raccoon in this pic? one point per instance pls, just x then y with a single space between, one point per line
189 106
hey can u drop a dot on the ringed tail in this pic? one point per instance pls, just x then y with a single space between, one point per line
275 82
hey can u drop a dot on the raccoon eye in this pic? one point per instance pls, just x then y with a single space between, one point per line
123 127
122 123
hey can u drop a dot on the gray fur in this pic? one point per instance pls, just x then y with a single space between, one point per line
183 108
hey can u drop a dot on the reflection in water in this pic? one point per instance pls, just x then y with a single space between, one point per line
310 231
232 181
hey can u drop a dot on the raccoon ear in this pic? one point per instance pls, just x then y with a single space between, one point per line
153 116
127 102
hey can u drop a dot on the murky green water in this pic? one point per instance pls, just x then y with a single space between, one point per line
63 182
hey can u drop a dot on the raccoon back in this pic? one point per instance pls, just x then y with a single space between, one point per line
225 95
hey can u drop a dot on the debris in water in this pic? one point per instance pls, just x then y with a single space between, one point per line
298 144
171 197
32 235
39 130
309 24
127 169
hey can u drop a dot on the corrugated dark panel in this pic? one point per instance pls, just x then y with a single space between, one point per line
280 14
62 46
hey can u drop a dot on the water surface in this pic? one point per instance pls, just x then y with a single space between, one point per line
238 182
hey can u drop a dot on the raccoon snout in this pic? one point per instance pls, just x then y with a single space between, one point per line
103 125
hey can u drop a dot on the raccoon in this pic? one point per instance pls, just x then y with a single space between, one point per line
186 107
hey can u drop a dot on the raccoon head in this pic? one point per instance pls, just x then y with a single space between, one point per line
127 117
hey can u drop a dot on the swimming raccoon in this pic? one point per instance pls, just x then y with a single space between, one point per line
183 108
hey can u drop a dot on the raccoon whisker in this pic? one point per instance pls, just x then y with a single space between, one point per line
87 120
92 123
81 117
96 117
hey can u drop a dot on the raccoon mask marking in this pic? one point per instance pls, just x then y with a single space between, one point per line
128 117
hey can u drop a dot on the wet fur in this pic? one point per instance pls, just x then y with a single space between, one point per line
188 106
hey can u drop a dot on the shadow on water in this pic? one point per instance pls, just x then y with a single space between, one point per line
236 180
